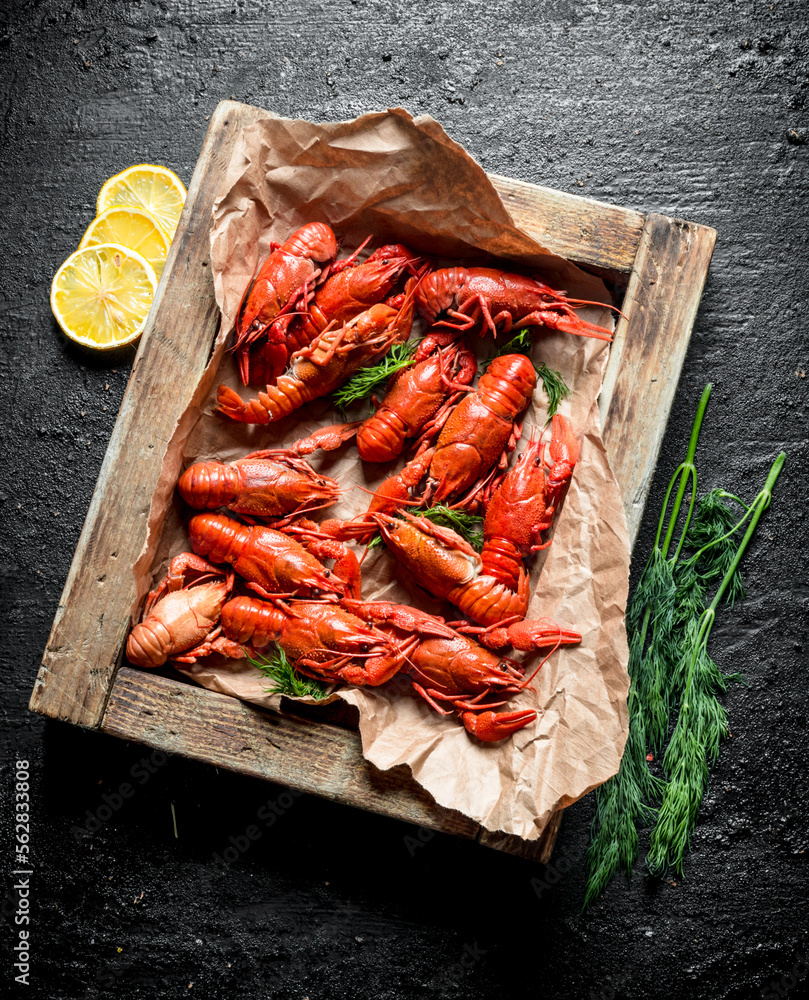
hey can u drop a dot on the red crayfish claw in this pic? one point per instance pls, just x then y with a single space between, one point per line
493 726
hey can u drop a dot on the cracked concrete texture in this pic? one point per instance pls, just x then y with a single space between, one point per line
691 109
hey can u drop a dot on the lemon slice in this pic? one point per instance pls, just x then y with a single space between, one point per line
156 189
131 227
102 294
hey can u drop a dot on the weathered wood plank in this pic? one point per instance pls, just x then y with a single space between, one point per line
91 620
532 850
591 233
648 351
315 757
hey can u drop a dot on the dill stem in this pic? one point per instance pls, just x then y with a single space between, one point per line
759 505
748 513
686 471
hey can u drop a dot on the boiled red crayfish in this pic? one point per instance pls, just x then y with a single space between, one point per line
492 586
274 562
284 279
453 672
329 360
462 297
181 615
526 503
475 442
349 289
448 567
470 456
321 639
418 399
270 483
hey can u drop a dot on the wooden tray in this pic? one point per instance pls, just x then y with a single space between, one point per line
658 264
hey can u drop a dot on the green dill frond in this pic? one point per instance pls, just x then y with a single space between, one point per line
655 690
621 808
691 587
366 380
678 811
285 679
468 526
655 589
521 343
554 385
702 724
712 520
556 389
712 535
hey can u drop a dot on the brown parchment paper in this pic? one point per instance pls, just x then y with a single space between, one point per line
405 180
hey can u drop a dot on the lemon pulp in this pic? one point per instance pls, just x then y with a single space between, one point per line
157 189
135 228
101 295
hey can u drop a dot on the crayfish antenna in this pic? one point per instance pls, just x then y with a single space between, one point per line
341 265
577 303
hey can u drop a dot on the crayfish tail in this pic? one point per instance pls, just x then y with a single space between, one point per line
148 645
487 602
382 436
277 402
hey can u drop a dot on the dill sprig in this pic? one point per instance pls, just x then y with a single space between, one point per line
668 625
520 343
366 380
701 726
621 808
468 526
285 679
556 389
702 721
622 803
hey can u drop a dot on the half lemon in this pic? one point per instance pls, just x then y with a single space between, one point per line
157 189
132 227
101 295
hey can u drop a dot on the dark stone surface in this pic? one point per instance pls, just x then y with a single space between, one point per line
692 109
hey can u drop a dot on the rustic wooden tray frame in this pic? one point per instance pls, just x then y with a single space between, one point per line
659 264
